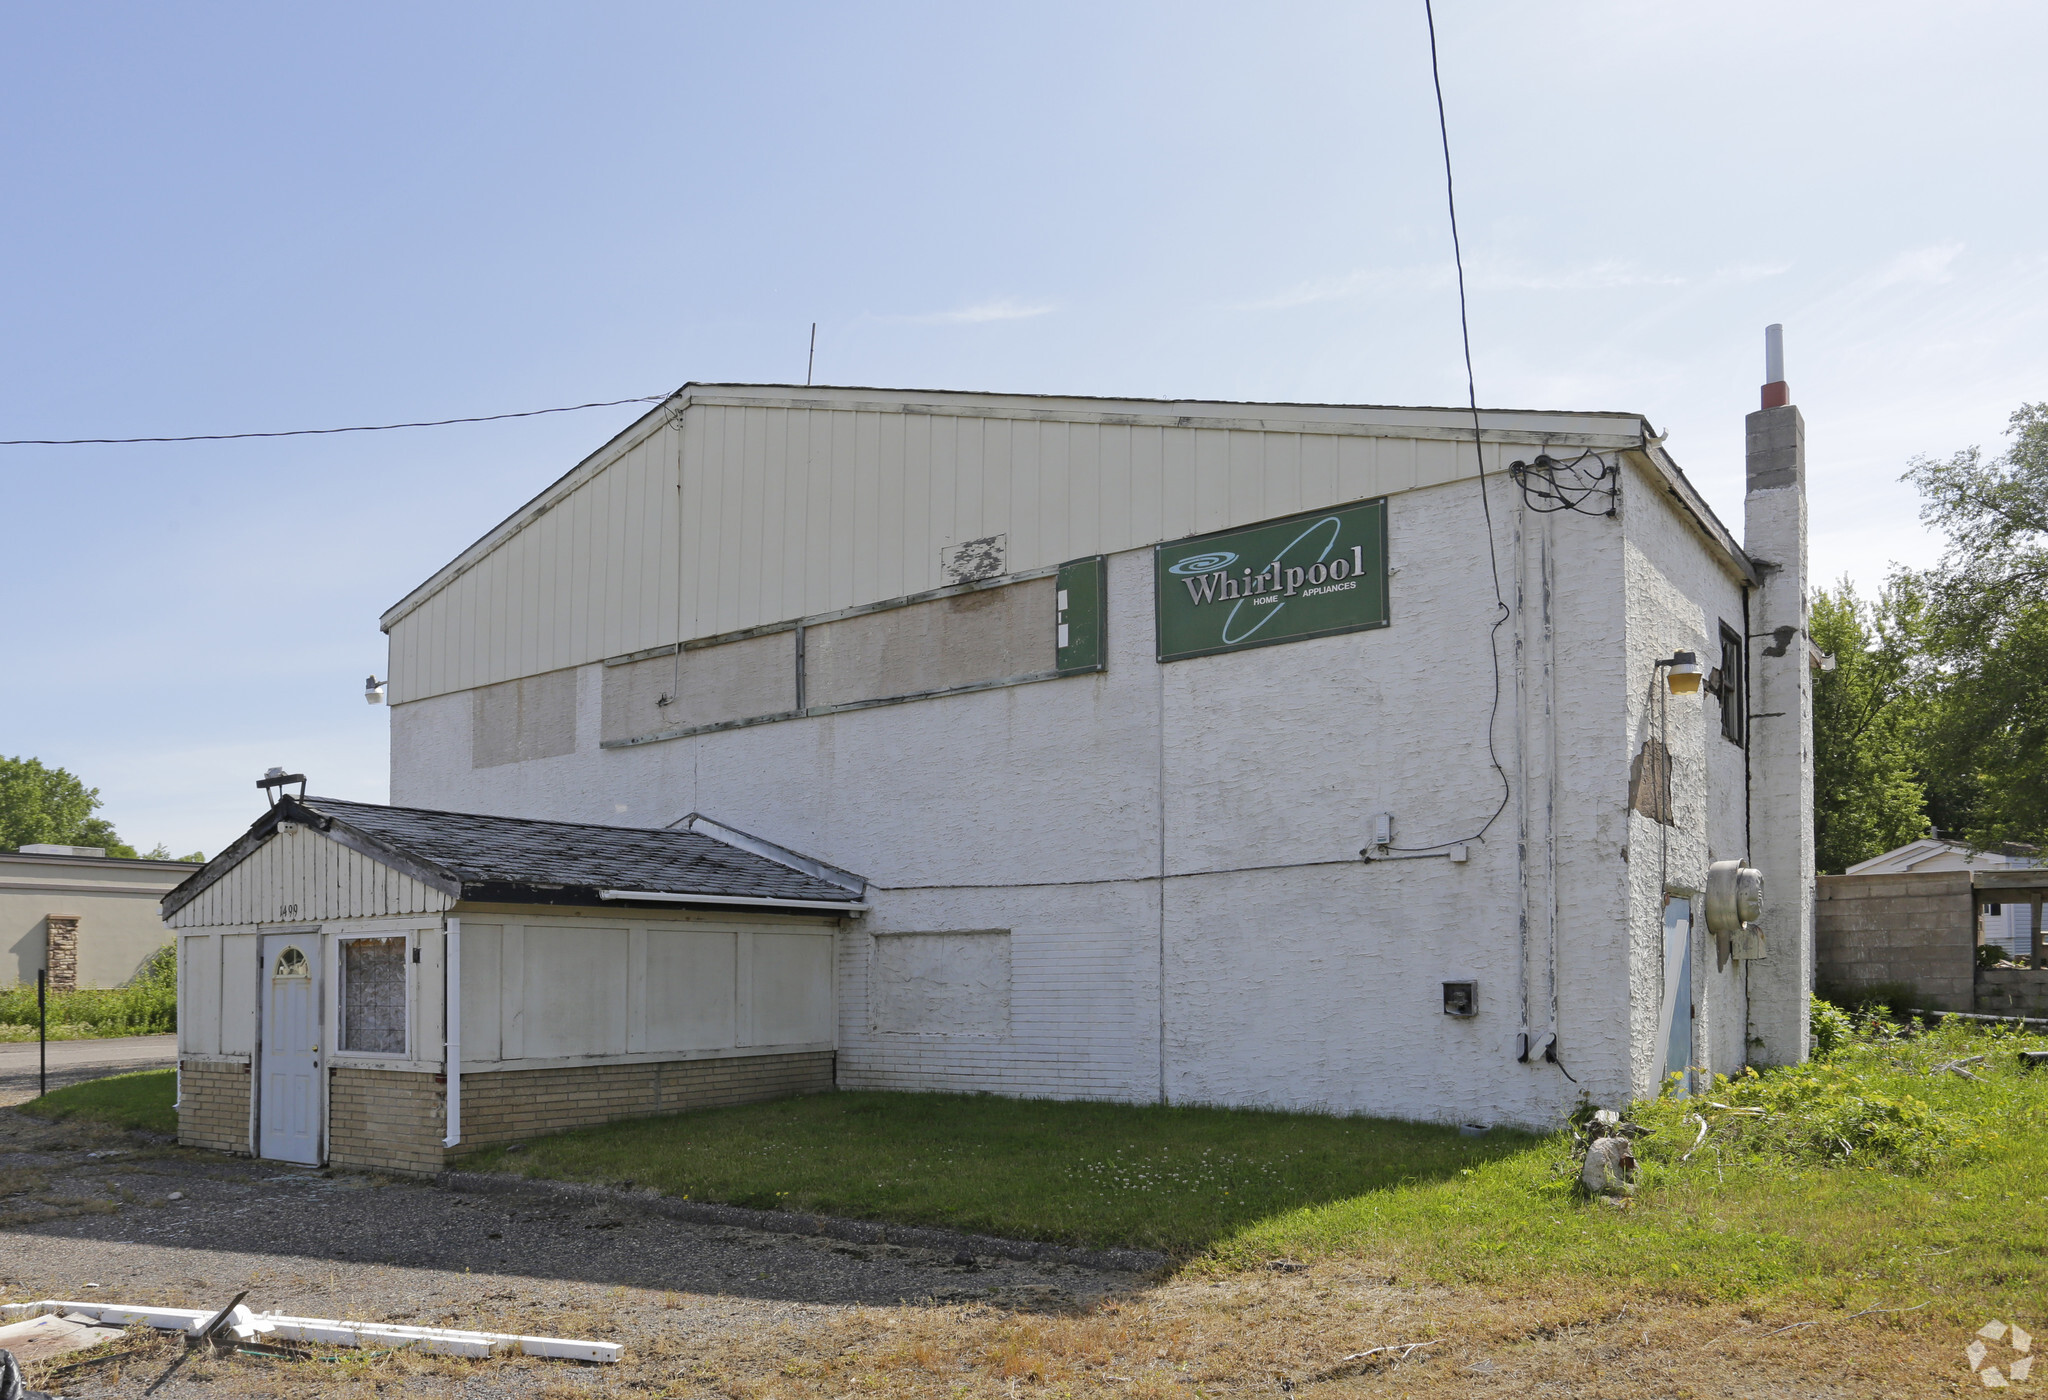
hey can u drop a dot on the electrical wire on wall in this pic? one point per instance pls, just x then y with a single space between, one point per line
1502 611
1550 486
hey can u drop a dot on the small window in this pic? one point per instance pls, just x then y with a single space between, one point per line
291 963
373 995
1995 909
1734 690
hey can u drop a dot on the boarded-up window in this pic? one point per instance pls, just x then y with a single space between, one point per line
1649 782
749 679
534 717
953 984
992 634
373 995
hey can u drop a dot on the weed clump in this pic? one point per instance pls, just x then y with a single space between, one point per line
1879 1097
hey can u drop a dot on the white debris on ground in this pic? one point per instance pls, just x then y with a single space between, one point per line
248 1326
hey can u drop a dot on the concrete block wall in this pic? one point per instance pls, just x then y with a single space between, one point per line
213 1104
386 1120
1917 930
2012 991
513 1105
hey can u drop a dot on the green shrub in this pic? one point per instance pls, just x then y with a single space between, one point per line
1832 1028
148 1005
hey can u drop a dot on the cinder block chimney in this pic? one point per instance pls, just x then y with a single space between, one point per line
1781 718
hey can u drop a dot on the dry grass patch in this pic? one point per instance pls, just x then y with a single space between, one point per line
1322 1330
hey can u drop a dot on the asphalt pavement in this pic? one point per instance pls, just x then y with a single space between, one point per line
74 1061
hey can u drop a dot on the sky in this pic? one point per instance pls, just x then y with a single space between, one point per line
225 218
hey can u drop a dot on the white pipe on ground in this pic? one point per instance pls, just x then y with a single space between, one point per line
248 1326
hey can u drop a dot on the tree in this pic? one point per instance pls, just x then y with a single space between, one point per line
49 806
1985 735
1867 793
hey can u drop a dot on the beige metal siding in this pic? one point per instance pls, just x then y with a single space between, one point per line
791 509
302 876
593 576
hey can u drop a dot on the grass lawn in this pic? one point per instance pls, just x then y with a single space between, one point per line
1941 1198
1177 1179
141 1100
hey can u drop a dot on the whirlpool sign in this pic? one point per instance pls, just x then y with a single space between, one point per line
1310 575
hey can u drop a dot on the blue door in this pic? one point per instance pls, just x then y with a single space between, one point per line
1675 1020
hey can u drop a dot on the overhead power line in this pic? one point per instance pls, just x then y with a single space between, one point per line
322 432
1501 610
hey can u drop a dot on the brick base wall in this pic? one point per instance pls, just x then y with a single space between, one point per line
393 1120
385 1120
213 1105
514 1105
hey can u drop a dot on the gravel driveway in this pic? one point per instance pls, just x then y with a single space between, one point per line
82 1226
73 1061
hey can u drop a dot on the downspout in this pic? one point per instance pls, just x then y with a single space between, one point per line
178 991
451 992
1523 1038
1545 570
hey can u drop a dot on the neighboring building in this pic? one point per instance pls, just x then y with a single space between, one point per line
2001 922
88 917
603 973
1008 656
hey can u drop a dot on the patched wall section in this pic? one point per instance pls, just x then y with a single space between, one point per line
941 984
973 638
514 721
699 686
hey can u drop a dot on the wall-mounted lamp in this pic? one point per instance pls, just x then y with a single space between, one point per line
373 690
1682 672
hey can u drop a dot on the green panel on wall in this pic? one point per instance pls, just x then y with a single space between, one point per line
1083 619
1308 575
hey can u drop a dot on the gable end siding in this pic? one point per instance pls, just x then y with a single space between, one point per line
312 876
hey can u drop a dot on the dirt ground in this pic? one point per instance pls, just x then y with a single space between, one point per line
710 1311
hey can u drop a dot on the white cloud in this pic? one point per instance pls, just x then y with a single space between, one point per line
1499 277
1742 273
1001 309
1599 276
1918 265
1363 282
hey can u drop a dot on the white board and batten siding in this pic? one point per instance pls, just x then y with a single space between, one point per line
734 507
301 876
546 988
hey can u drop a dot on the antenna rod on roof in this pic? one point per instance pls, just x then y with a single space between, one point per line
812 362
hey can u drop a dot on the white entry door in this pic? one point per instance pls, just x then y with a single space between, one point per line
288 1092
